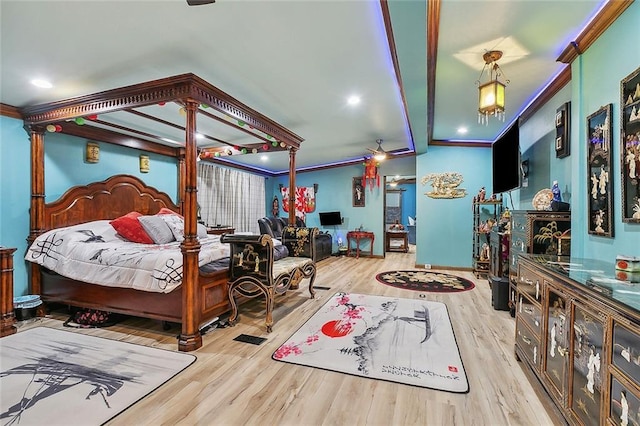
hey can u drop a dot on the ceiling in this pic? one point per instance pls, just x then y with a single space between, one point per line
297 62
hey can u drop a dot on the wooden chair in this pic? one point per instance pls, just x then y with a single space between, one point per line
254 272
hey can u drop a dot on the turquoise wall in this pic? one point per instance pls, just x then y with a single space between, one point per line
444 226
537 145
15 190
334 194
408 201
596 82
64 168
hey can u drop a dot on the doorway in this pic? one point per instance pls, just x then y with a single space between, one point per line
399 213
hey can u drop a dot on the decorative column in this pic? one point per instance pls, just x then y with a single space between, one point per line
181 179
7 317
36 224
190 338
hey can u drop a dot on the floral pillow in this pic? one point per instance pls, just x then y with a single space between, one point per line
129 227
176 224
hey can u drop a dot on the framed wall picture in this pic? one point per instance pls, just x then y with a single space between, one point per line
563 144
599 171
358 193
630 146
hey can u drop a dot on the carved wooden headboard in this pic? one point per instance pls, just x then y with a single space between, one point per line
109 199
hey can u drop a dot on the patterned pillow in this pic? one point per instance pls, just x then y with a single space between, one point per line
157 229
130 228
165 210
176 224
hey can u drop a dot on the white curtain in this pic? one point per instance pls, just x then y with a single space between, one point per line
230 197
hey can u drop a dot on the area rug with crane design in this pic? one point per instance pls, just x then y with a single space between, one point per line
50 376
425 281
408 341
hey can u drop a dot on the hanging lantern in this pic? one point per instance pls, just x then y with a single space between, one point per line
51 128
79 121
370 174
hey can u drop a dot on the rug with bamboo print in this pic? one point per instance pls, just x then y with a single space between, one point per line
55 377
409 341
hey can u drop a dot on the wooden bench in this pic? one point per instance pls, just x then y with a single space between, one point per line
254 272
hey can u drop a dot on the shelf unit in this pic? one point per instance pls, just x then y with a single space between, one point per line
483 211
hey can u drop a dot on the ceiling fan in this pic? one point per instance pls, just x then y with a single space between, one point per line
379 154
199 2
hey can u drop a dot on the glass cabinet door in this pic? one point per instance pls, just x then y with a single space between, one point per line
557 343
586 389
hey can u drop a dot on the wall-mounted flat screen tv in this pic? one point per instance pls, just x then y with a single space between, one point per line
506 160
330 218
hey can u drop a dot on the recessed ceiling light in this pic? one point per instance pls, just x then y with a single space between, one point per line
44 84
199 136
353 100
462 130
264 157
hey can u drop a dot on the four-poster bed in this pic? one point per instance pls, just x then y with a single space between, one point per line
202 295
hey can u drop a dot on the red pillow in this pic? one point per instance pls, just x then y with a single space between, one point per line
165 210
130 228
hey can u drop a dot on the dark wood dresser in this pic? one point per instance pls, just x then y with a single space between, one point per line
578 337
534 231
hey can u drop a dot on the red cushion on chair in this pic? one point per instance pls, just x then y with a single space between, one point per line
130 228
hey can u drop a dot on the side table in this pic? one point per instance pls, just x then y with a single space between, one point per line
7 317
219 230
357 236
398 241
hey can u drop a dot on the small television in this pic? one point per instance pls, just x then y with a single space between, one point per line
330 218
506 160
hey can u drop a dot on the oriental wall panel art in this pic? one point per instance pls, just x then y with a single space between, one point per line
630 146
599 172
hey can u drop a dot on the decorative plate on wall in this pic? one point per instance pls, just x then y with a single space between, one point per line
542 199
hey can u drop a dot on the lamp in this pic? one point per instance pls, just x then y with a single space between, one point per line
92 152
379 154
144 164
491 94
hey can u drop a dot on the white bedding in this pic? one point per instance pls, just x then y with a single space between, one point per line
93 252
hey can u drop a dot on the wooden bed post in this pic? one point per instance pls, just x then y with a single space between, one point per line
292 186
37 225
181 179
190 338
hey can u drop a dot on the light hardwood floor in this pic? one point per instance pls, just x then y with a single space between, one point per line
234 383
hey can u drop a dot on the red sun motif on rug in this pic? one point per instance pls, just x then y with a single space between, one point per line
425 281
